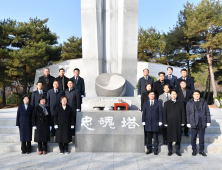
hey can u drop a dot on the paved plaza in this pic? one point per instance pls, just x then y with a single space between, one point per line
100 161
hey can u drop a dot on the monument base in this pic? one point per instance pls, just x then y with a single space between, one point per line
109 131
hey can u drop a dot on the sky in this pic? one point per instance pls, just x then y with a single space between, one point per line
65 15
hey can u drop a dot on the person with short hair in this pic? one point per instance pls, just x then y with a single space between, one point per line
62 79
189 80
152 119
64 122
158 85
184 95
53 97
143 81
163 98
47 80
37 94
198 119
78 83
24 123
41 122
73 97
173 119
172 79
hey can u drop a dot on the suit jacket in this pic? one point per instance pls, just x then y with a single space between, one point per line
142 83
189 81
203 109
59 79
24 121
180 96
80 85
172 81
73 100
54 99
36 96
46 86
158 88
152 116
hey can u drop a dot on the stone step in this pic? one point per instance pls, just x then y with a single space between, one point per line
209 138
16 147
14 138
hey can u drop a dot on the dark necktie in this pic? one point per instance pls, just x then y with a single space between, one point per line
167 97
151 104
47 80
170 78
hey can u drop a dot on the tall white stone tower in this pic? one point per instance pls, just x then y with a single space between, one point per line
109 40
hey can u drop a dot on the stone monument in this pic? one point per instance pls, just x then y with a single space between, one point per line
109 40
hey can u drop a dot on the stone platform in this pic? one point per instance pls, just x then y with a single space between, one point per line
9 135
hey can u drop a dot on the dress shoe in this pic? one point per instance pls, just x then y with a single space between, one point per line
28 152
178 154
155 152
61 152
170 153
44 152
40 152
202 153
194 153
23 152
148 152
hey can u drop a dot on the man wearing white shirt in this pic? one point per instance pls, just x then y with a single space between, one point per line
173 119
198 118
37 94
152 119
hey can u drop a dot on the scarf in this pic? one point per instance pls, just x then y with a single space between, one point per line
44 109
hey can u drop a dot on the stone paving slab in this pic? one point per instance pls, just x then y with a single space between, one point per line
89 161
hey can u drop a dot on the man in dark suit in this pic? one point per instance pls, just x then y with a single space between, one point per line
73 99
172 79
198 118
152 119
189 80
47 80
62 79
158 85
184 94
53 100
79 83
143 81
37 94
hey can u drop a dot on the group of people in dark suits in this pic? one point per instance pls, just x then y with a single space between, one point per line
52 111
172 104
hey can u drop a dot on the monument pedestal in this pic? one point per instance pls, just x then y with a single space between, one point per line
109 131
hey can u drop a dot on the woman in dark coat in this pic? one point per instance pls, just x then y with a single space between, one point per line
41 123
145 94
24 123
64 122
173 119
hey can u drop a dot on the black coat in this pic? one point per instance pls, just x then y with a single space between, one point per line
53 99
59 79
79 85
24 121
46 86
42 122
142 83
158 88
36 96
174 116
204 110
73 100
64 119
189 81
153 116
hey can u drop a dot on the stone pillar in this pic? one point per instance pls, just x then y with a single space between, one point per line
109 39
